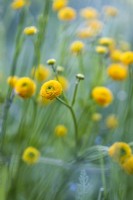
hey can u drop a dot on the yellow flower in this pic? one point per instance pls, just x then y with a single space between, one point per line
101 49
77 47
96 117
127 57
110 11
89 13
60 131
31 30
63 81
41 73
95 25
31 155
128 165
85 33
120 152
12 80
102 95
115 54
117 72
111 121
67 14
25 87
51 90
106 41
58 4
17 4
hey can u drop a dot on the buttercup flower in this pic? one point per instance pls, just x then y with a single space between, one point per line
117 72
110 11
77 47
63 81
12 80
115 55
18 4
128 165
95 25
102 95
106 41
25 87
67 14
41 73
60 131
120 152
51 61
58 4
31 155
31 30
96 117
89 13
101 49
85 33
127 57
111 121
51 89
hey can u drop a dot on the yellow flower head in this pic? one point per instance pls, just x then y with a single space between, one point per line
127 57
117 72
63 81
58 4
60 131
67 14
102 95
110 11
89 13
101 50
85 33
115 55
111 121
120 152
51 90
18 4
77 47
25 87
106 41
41 73
128 165
95 25
31 155
96 117
31 30
12 80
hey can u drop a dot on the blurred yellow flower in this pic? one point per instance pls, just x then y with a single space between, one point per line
31 155
111 121
40 73
31 30
12 80
58 4
117 72
110 11
102 95
51 90
77 47
96 117
89 13
101 49
64 82
95 25
60 131
127 57
25 87
115 55
120 152
67 14
128 165
85 33
106 41
17 4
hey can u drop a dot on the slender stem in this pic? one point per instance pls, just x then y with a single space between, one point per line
75 92
103 175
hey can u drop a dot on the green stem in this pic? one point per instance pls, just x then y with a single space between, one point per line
103 175
75 92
